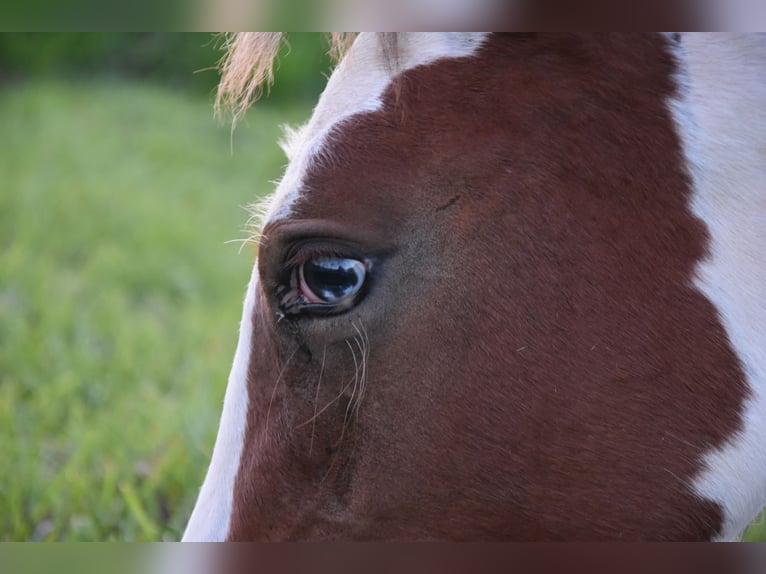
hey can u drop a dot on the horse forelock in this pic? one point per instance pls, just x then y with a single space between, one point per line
247 68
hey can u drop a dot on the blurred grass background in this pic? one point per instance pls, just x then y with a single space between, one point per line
119 296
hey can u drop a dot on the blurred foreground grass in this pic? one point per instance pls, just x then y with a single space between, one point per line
119 301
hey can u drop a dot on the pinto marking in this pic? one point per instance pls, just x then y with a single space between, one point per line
721 118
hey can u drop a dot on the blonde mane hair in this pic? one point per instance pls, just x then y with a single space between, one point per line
248 64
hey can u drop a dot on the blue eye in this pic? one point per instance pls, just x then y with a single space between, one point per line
331 281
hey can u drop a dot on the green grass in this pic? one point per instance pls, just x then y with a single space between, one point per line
119 301
757 530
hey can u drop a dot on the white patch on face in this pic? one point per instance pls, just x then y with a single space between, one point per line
721 118
210 519
356 86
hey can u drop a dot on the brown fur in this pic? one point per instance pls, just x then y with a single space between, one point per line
539 364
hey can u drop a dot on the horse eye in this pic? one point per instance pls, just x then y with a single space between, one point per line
331 281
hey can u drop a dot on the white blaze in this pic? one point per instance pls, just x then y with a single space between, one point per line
721 117
356 86
210 519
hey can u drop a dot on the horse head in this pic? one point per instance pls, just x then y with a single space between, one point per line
500 294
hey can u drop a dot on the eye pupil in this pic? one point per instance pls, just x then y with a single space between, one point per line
333 280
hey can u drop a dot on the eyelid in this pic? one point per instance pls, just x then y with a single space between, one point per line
306 251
